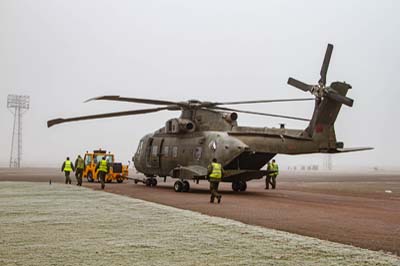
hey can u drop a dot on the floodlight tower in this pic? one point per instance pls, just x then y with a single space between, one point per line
328 162
18 105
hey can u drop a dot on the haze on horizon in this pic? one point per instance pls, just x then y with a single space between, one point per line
64 52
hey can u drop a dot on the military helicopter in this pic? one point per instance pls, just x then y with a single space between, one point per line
184 147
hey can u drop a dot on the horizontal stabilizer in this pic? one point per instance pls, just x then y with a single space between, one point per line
340 150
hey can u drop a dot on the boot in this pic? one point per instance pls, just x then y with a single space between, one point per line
212 199
219 199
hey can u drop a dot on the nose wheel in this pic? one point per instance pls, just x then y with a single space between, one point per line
239 186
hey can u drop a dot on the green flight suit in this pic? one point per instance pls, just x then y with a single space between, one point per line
80 165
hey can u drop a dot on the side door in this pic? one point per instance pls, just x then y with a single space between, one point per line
156 152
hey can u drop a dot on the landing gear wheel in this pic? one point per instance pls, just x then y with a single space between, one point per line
153 182
236 186
90 177
178 186
148 182
135 181
243 186
186 186
108 180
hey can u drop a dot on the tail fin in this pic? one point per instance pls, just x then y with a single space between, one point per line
321 127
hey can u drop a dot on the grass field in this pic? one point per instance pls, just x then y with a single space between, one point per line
42 224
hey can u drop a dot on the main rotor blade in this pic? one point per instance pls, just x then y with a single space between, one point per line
264 114
132 100
325 64
298 84
265 101
56 121
340 98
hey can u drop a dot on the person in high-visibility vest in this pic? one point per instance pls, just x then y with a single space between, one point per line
102 166
79 166
215 173
67 167
271 176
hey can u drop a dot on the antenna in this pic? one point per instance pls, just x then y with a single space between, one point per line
18 105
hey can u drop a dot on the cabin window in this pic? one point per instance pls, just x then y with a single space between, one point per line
197 153
166 151
88 160
98 158
175 151
109 158
154 150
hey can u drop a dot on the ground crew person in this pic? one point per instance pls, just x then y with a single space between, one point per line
271 177
79 166
215 173
67 167
102 166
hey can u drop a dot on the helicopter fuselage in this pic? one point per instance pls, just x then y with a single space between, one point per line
185 153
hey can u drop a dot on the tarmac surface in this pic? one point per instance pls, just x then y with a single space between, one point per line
360 209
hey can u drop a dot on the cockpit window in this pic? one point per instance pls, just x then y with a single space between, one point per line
140 147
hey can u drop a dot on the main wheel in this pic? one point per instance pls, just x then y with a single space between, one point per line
178 186
243 186
90 177
186 186
153 182
236 186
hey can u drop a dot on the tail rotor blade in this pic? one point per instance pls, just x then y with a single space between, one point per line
340 98
325 64
298 84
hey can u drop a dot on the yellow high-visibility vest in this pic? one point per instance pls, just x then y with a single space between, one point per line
103 166
67 166
276 168
216 171
273 167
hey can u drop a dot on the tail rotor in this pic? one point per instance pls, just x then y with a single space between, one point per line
320 90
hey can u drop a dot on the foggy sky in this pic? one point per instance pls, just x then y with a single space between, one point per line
64 52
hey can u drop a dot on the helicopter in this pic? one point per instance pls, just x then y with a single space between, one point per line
184 147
